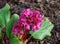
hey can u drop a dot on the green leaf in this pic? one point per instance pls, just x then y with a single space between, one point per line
7 17
0 30
5 8
15 41
2 23
10 25
4 15
44 31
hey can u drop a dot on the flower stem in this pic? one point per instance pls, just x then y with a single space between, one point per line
25 42
24 35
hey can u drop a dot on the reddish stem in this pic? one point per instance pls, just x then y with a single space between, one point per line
24 35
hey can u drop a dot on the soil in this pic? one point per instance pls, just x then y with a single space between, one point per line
48 8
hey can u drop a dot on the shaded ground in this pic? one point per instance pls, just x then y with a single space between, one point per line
48 8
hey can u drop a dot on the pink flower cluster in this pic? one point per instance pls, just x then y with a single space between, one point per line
28 20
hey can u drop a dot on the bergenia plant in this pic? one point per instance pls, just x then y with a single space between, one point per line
18 26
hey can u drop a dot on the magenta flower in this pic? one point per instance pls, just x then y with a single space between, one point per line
31 18
28 20
17 28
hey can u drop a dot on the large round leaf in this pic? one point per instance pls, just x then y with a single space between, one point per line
13 38
4 15
10 25
44 31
